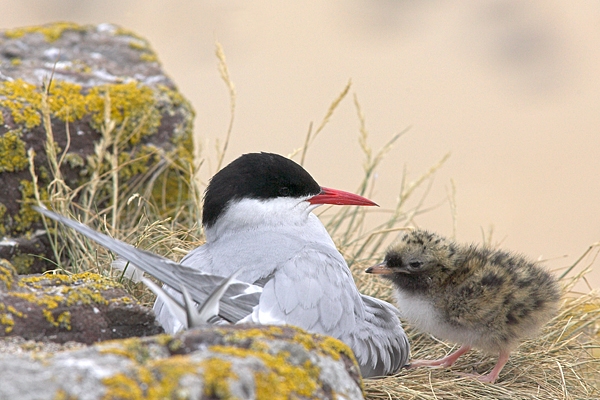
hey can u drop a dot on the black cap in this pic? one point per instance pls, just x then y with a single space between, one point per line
256 176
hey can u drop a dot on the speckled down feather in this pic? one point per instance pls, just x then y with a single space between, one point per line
475 296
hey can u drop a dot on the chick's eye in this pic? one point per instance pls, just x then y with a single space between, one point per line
415 264
284 191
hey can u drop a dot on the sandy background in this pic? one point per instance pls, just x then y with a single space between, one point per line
511 89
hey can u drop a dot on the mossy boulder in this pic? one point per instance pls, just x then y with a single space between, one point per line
92 110
239 362
82 307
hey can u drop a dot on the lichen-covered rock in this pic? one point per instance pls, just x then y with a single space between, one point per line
8 275
88 100
241 362
83 307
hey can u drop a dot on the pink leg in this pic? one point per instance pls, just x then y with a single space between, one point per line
443 362
493 375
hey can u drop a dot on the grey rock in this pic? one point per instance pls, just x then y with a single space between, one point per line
243 362
85 308
85 69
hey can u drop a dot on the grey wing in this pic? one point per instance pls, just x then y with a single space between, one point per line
380 344
313 290
220 257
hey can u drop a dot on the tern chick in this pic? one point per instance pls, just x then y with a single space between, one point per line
474 296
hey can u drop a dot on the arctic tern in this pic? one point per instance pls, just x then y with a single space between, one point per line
258 223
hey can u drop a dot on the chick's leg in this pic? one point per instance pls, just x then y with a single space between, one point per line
443 362
493 375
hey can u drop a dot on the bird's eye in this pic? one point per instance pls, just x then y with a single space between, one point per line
284 191
415 264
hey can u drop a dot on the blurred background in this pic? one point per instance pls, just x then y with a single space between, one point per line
510 89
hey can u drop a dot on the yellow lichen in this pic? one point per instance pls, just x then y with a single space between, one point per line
47 300
62 395
121 386
15 312
166 375
2 221
51 32
64 320
266 332
146 53
279 378
6 320
73 289
95 281
7 273
147 155
157 379
27 215
120 31
83 295
175 97
334 348
49 317
119 349
287 380
123 300
138 44
133 348
16 61
66 101
325 345
217 374
148 57
282 379
23 101
174 345
131 103
40 281
7 317
13 156
132 106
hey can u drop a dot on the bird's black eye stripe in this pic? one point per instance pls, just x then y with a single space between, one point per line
393 260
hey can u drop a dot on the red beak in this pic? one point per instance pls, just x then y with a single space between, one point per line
339 197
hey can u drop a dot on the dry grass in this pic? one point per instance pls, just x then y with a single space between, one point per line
126 213
563 363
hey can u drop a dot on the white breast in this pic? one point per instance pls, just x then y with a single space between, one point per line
420 312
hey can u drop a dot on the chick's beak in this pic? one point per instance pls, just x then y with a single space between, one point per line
339 197
379 269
